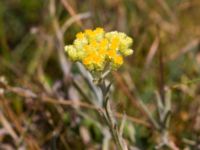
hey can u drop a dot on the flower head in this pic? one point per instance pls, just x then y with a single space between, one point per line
98 50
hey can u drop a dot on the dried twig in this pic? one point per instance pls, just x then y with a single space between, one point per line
29 94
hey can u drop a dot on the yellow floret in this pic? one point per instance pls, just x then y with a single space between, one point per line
94 44
111 53
96 49
102 52
89 32
80 35
118 60
86 60
99 30
114 43
88 49
103 43
97 59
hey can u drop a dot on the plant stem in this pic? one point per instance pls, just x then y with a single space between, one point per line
108 116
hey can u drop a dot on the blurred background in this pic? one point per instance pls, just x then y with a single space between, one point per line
35 73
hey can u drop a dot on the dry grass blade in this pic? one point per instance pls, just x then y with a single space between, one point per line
31 143
167 9
27 93
193 44
71 11
136 102
152 51
73 19
126 91
88 106
8 126
64 63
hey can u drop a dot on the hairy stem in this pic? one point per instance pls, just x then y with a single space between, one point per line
108 116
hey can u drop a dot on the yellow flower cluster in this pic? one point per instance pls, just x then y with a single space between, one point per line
97 49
